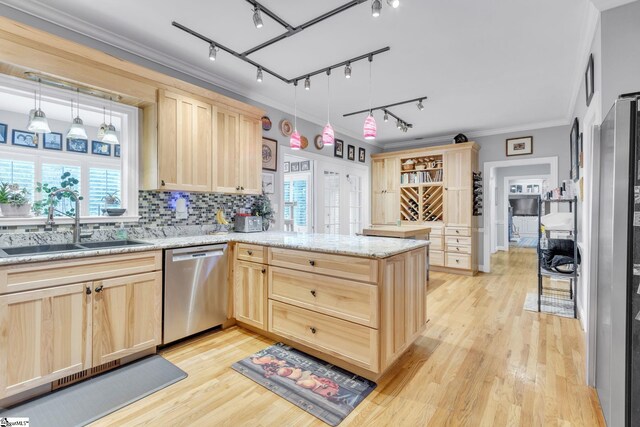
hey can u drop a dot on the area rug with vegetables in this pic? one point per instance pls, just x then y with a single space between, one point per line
323 390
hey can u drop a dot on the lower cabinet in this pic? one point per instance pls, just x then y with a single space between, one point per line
250 294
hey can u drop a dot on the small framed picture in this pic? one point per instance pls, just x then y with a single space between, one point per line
24 139
286 167
588 80
520 146
77 145
305 166
52 141
295 166
362 155
100 148
269 154
338 148
3 133
351 152
574 148
116 150
268 183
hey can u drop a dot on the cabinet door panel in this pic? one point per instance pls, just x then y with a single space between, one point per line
378 208
250 294
227 136
392 174
127 316
43 336
250 156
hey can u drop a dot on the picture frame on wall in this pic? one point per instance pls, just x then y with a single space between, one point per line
574 142
52 141
581 155
269 154
116 150
305 166
519 146
286 167
351 152
100 148
589 80
23 138
362 155
268 183
295 166
3 133
338 148
77 145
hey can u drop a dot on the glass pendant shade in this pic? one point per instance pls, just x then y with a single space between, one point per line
328 136
370 128
77 130
294 142
38 122
110 136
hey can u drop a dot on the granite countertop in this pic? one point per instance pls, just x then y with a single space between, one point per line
362 246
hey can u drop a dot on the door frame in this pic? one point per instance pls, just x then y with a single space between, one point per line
487 226
505 212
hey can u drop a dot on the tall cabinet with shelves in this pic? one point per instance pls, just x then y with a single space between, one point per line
431 186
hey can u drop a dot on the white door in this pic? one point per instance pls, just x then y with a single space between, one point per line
342 201
298 202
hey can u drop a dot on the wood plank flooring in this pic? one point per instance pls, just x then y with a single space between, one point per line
483 361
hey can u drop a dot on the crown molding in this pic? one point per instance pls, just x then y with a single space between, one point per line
603 5
418 142
45 12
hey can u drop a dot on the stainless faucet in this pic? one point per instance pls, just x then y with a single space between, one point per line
76 222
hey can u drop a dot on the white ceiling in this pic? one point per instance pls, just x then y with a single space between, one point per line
484 64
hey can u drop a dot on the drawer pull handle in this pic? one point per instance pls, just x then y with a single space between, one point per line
457 231
264 270
249 253
458 249
312 329
313 293
312 263
458 261
88 291
99 289
457 240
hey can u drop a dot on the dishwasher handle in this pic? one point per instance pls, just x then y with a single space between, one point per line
197 255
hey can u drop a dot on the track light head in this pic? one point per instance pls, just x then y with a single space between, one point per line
259 75
398 124
393 3
257 18
386 116
420 105
347 70
307 83
213 50
376 7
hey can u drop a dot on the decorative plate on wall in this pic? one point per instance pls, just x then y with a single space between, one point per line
285 127
317 141
266 123
304 142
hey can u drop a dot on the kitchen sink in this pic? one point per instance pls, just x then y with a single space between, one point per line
41 249
66 247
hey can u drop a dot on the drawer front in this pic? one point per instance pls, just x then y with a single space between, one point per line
346 267
251 253
348 341
353 301
457 231
436 230
459 249
458 261
24 277
436 258
436 243
458 241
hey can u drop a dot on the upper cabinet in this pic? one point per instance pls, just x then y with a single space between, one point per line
192 145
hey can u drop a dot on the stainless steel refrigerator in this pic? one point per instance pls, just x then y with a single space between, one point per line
618 278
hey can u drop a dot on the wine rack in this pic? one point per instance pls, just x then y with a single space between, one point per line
432 203
410 203
477 193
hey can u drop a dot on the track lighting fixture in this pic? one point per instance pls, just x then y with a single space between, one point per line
257 17
393 3
398 124
307 83
213 50
347 70
376 7
259 75
420 106
386 116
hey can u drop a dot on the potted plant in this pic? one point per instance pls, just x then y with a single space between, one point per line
14 201
262 207
66 181
111 199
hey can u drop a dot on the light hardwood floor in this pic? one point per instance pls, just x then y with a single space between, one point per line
483 361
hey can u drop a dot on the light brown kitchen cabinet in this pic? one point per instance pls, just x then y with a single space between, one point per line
250 294
44 335
250 156
385 198
127 316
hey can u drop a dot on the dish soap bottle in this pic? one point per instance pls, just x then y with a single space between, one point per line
122 233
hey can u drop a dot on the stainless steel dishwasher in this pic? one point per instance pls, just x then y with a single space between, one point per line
195 290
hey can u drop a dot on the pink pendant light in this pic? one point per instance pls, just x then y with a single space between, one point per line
370 129
328 136
294 142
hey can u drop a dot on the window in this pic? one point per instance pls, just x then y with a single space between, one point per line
103 184
51 174
18 172
297 201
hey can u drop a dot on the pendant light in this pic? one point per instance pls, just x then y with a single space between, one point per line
370 128
102 130
294 142
328 136
110 136
37 120
77 130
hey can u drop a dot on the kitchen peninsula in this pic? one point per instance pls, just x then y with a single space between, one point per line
358 302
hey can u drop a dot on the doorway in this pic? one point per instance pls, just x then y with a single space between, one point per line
298 195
